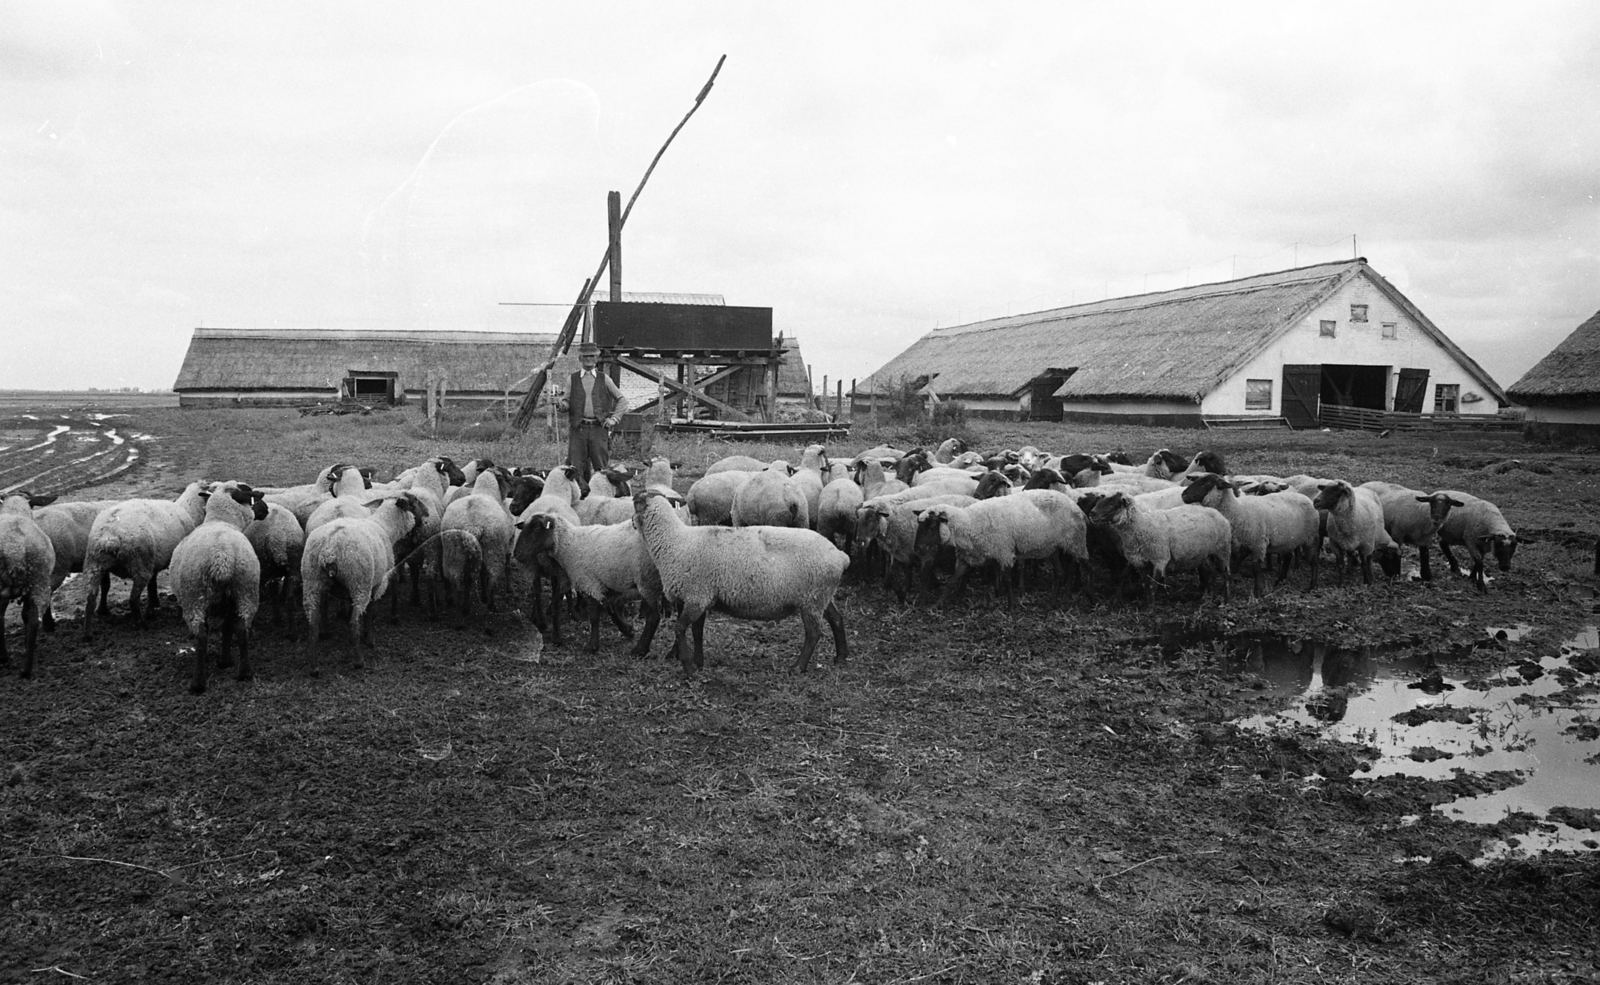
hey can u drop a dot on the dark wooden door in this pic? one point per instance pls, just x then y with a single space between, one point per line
1409 391
1302 392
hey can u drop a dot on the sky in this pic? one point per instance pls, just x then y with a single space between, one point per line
868 171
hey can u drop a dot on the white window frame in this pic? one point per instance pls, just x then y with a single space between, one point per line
1391 330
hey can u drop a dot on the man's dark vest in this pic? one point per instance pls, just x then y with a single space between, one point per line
603 401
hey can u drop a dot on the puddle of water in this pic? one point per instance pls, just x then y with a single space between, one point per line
1539 720
50 438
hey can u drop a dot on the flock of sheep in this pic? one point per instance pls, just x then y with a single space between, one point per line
751 539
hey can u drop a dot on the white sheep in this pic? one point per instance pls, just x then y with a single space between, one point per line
894 526
482 514
751 573
354 557
836 512
948 450
67 525
1263 526
135 539
810 478
214 568
605 565
710 498
771 498
945 475
1355 528
736 463
302 501
1413 517
27 565
347 496
1032 524
1180 539
609 500
1480 527
278 542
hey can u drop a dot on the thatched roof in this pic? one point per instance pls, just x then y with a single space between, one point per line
1170 345
302 359
1570 372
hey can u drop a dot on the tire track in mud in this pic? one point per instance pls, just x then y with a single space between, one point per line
57 453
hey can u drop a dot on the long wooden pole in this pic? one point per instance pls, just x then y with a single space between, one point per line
574 318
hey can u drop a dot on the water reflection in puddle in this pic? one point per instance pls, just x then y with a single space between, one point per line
1539 720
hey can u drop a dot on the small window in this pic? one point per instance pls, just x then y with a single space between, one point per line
1358 313
1257 394
1389 329
1328 328
1447 398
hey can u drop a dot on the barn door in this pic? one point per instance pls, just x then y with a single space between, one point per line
1302 392
1409 391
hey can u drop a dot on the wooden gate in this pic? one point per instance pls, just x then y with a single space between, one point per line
1302 395
1409 391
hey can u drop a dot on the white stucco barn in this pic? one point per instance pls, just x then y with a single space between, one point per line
1278 345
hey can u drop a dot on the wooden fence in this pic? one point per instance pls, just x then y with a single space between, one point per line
1361 418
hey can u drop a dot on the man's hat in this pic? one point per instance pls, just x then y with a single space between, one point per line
588 349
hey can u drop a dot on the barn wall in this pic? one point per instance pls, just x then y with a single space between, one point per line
1356 344
1563 425
1153 413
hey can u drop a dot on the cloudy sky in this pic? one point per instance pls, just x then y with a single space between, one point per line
869 171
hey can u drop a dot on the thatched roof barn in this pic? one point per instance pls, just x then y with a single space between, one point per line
1275 345
245 367
1562 390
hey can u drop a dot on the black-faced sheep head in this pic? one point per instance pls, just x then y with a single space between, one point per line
35 500
1170 460
246 496
1204 484
1388 558
991 484
536 536
1111 508
1073 464
1439 506
334 472
1502 546
366 476
933 529
1330 495
524 489
452 472
1208 461
1044 478
1120 457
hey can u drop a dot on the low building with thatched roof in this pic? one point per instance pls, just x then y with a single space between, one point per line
1273 346
1562 391
247 367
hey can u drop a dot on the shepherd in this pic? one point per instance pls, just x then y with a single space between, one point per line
594 405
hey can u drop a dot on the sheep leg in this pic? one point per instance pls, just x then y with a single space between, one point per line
360 630
594 624
1455 566
30 634
1366 566
808 619
133 601
680 645
48 620
1478 581
92 589
151 609
1058 579
841 645
1427 573
1005 574
700 641
5 603
652 621
957 583
557 598
225 655
197 683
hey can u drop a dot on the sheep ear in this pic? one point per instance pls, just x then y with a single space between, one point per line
373 504
1458 504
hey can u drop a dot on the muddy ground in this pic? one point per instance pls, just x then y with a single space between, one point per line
1045 796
